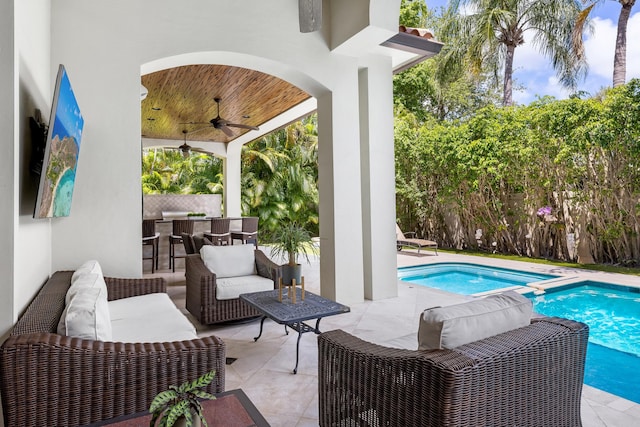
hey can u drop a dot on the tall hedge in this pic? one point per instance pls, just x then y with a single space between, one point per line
537 180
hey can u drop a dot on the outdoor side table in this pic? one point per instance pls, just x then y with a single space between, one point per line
293 315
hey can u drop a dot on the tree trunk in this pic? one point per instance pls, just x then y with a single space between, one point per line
620 56
507 97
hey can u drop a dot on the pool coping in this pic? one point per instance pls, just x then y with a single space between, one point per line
567 276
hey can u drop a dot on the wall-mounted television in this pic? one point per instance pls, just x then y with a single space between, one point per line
58 175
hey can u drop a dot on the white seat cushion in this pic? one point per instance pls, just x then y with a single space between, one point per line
229 261
149 318
87 315
455 325
232 287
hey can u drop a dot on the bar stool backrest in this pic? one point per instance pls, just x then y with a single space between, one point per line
182 226
249 224
220 225
148 227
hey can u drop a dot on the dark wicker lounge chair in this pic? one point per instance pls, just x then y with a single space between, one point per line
53 380
201 291
530 376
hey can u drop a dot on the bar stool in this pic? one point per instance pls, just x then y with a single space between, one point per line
249 231
219 234
150 237
179 226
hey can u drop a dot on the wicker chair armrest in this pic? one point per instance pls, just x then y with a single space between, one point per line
49 379
267 268
201 282
515 378
118 288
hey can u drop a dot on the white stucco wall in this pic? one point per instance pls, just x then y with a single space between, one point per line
7 126
25 84
35 85
105 47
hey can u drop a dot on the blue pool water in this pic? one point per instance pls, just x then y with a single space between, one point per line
613 316
467 279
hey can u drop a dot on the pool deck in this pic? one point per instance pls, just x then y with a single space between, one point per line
263 369
599 408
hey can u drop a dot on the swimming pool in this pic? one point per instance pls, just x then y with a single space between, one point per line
467 279
613 315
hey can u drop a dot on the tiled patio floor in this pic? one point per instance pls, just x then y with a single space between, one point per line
263 369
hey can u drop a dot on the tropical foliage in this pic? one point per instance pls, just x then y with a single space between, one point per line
181 401
578 159
166 171
280 175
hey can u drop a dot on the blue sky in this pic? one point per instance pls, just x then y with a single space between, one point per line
535 77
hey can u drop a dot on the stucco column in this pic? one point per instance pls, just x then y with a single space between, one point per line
378 179
341 273
231 168
8 84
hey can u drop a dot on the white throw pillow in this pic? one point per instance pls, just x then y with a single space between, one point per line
84 281
455 325
87 315
89 267
229 261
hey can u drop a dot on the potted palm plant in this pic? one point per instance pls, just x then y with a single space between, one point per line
180 405
290 241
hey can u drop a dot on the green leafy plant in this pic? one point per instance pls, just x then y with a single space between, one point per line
292 240
181 401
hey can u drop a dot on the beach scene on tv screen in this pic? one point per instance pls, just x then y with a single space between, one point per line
66 132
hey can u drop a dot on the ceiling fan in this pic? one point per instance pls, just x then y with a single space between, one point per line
186 149
219 123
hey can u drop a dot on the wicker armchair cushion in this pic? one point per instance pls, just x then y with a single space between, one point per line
87 316
229 261
232 287
455 325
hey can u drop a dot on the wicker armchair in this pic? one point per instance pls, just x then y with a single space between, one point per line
53 380
201 291
530 376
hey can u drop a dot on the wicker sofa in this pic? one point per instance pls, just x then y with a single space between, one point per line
53 380
531 376
202 302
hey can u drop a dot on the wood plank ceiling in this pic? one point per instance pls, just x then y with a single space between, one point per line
182 98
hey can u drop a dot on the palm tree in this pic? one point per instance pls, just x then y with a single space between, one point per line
279 177
493 29
620 53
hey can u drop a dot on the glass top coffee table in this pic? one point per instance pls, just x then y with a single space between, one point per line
293 315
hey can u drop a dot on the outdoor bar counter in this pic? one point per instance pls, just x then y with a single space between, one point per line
164 227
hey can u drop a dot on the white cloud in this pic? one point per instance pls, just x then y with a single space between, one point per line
534 72
600 47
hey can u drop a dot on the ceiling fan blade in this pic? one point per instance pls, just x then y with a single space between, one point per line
238 125
226 130
199 129
310 15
